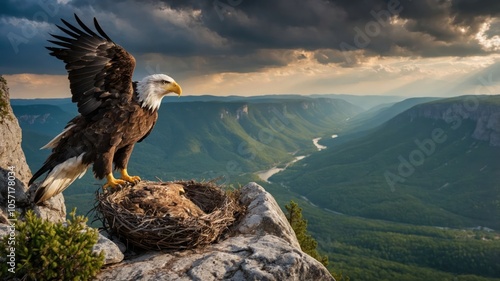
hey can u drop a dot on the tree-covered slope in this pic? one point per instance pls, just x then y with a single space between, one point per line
208 139
434 164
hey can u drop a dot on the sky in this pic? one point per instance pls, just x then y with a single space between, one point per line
256 47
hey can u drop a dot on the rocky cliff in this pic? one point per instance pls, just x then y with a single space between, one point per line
262 246
11 155
14 171
483 110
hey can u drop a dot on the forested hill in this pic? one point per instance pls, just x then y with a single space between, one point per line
434 164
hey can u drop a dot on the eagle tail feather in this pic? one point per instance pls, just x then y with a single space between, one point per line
60 177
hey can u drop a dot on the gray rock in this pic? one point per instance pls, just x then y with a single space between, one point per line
14 172
473 108
53 209
115 240
488 127
262 247
112 253
264 215
4 230
13 163
11 153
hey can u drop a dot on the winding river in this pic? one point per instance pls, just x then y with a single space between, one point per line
265 175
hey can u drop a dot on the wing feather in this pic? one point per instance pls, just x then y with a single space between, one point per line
74 35
99 70
100 30
62 38
88 30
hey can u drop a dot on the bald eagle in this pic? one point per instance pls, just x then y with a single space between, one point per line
115 112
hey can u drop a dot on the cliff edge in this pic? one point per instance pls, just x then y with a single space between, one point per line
262 246
14 171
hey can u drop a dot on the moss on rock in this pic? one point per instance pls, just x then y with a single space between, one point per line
4 101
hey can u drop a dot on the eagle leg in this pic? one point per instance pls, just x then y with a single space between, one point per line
127 177
113 182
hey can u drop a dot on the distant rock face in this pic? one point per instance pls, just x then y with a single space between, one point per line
14 171
262 247
488 128
32 119
242 112
486 115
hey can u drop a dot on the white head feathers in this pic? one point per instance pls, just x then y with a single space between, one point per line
151 90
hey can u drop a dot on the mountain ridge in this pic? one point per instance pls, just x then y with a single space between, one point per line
210 138
419 167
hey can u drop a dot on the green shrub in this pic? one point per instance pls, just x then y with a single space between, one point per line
52 251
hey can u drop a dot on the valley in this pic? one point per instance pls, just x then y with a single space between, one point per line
388 174
391 192
266 174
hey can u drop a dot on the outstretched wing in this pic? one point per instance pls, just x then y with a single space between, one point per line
99 71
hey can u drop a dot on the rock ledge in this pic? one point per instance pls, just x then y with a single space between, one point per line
262 247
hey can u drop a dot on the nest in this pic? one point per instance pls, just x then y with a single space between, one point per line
168 215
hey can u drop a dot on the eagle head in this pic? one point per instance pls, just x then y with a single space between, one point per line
153 88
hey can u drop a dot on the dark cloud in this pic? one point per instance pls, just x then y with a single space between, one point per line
208 64
470 9
248 35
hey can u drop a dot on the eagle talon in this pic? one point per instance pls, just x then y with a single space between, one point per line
128 178
114 183
132 179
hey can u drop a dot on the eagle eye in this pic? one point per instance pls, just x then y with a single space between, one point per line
164 82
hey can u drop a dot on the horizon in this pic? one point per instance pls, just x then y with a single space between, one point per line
253 48
231 95
277 95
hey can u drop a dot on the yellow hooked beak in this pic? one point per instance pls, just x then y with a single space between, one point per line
173 88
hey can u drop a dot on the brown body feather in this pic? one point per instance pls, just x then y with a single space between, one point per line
111 118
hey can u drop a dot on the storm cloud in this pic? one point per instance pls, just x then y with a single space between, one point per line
202 37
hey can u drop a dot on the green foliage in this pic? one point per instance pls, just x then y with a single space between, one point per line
53 251
340 276
455 184
307 243
371 250
368 249
299 225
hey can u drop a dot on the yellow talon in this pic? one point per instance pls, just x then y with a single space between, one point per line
113 183
131 179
